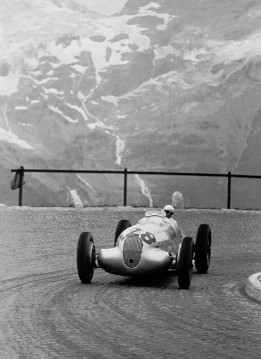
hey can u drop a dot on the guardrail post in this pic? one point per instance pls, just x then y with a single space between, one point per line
21 172
125 187
228 190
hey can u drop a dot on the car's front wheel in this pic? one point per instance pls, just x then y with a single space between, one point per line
184 262
122 225
85 257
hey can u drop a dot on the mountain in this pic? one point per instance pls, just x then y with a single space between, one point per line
144 85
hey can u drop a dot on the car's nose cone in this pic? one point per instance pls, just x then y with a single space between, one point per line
132 248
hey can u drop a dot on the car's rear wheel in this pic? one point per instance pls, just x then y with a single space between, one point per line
203 248
184 262
122 225
85 257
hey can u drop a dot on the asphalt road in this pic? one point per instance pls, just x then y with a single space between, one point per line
45 312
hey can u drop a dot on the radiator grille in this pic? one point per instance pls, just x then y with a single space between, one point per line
132 249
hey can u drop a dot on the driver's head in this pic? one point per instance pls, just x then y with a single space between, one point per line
168 210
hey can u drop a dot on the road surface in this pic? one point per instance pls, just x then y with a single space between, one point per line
45 312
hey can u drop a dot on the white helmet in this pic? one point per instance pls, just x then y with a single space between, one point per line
169 209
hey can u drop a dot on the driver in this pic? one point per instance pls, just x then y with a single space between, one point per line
168 210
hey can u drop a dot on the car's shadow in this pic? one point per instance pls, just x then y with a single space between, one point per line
163 281
153 281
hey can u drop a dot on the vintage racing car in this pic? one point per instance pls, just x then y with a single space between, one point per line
152 246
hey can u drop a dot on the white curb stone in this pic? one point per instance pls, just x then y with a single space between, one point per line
253 286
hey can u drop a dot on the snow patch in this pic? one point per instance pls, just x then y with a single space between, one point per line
48 79
80 95
151 5
79 68
105 7
100 124
76 198
195 55
10 137
59 112
112 99
144 189
120 145
164 51
134 32
25 124
53 91
40 82
44 96
21 108
229 51
147 11
66 55
9 84
97 122
54 65
36 73
79 109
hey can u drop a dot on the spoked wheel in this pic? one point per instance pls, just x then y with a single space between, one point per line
203 248
184 265
85 257
122 225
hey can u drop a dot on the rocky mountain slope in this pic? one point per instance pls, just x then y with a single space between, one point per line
157 86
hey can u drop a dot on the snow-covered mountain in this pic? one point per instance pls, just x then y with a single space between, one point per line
148 85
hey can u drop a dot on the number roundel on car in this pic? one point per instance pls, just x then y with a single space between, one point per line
148 237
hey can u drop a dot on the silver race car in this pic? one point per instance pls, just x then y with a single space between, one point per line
153 246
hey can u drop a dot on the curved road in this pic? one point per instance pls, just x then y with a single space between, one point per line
45 312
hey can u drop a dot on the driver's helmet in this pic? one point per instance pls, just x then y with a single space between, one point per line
168 210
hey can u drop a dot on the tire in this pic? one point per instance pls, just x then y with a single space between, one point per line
85 257
122 225
184 266
203 248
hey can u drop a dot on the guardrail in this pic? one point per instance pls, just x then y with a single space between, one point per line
21 171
